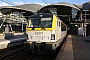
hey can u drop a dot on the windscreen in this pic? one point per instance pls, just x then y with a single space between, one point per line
40 22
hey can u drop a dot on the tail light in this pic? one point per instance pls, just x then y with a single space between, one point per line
52 36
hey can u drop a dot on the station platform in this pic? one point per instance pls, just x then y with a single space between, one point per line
75 48
11 40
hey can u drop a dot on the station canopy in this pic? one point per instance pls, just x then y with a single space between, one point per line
80 17
63 10
86 6
29 9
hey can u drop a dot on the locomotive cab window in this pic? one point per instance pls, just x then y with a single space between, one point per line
58 22
29 23
39 22
63 27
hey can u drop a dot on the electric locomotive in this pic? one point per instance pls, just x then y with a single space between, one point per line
46 30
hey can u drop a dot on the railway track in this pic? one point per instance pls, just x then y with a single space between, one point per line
10 51
47 55
16 53
43 56
30 56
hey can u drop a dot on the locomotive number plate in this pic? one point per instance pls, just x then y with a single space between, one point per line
38 33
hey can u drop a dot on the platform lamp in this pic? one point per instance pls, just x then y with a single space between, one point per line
85 23
22 20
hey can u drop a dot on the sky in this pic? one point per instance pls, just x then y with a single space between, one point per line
41 2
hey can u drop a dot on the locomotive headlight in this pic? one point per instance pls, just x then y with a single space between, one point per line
52 36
